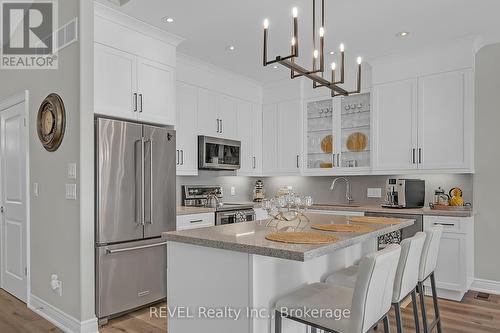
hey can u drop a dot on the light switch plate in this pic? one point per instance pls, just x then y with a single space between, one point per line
71 170
374 193
71 191
35 190
233 190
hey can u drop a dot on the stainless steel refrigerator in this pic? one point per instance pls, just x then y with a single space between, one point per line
135 203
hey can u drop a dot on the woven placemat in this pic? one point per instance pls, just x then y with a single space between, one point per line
373 220
302 237
342 228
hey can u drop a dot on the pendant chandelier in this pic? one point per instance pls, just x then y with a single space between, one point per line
317 72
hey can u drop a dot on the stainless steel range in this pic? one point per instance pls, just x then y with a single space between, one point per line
212 196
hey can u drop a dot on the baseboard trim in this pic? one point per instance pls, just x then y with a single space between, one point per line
59 318
486 286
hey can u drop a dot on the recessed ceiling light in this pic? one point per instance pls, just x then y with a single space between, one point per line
402 34
230 47
275 67
332 53
167 19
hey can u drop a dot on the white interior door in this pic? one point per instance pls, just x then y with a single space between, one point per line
13 199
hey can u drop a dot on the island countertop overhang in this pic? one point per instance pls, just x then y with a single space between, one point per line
249 237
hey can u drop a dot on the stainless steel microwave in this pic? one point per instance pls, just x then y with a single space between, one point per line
218 154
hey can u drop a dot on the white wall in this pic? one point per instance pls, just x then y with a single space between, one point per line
55 223
487 160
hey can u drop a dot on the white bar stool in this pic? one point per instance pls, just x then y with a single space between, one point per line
368 302
405 282
428 263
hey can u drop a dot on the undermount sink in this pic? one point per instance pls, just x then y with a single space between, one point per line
336 205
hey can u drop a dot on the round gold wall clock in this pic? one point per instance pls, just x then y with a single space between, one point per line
51 122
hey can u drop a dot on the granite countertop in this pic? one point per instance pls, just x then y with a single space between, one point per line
379 209
183 210
249 237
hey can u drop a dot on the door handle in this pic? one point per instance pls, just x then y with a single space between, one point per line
151 180
140 103
143 199
135 102
108 251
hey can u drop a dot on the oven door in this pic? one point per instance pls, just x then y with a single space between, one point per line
218 154
231 217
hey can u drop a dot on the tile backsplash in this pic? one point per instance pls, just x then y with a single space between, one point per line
319 187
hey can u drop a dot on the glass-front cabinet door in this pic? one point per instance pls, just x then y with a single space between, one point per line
355 131
320 135
337 135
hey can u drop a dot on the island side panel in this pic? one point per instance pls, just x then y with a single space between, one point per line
209 278
273 278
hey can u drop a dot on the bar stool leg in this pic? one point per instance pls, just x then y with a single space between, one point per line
415 310
399 322
314 330
421 292
435 302
387 328
277 322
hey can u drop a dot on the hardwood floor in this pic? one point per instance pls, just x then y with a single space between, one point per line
472 315
15 317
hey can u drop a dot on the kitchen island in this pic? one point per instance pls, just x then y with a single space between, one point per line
227 278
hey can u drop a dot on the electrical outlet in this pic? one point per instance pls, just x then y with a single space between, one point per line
56 284
374 193
233 190
72 171
71 191
35 190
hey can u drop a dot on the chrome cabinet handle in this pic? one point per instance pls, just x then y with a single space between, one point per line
419 155
140 103
333 160
338 160
182 156
108 251
413 156
135 102
221 126
196 221
298 163
218 126
445 224
178 159
254 163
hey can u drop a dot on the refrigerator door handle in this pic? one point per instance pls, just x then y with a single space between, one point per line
143 199
151 194
138 217
108 251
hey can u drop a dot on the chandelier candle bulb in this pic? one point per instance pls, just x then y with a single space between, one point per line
266 27
342 63
322 48
295 32
333 71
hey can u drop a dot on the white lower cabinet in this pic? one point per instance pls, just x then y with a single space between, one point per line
195 221
455 266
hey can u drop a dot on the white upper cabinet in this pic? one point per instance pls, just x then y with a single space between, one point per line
395 123
156 87
208 121
187 143
445 119
115 82
269 139
134 74
250 135
227 115
281 138
425 123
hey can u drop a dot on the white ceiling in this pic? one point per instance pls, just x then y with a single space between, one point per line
367 27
